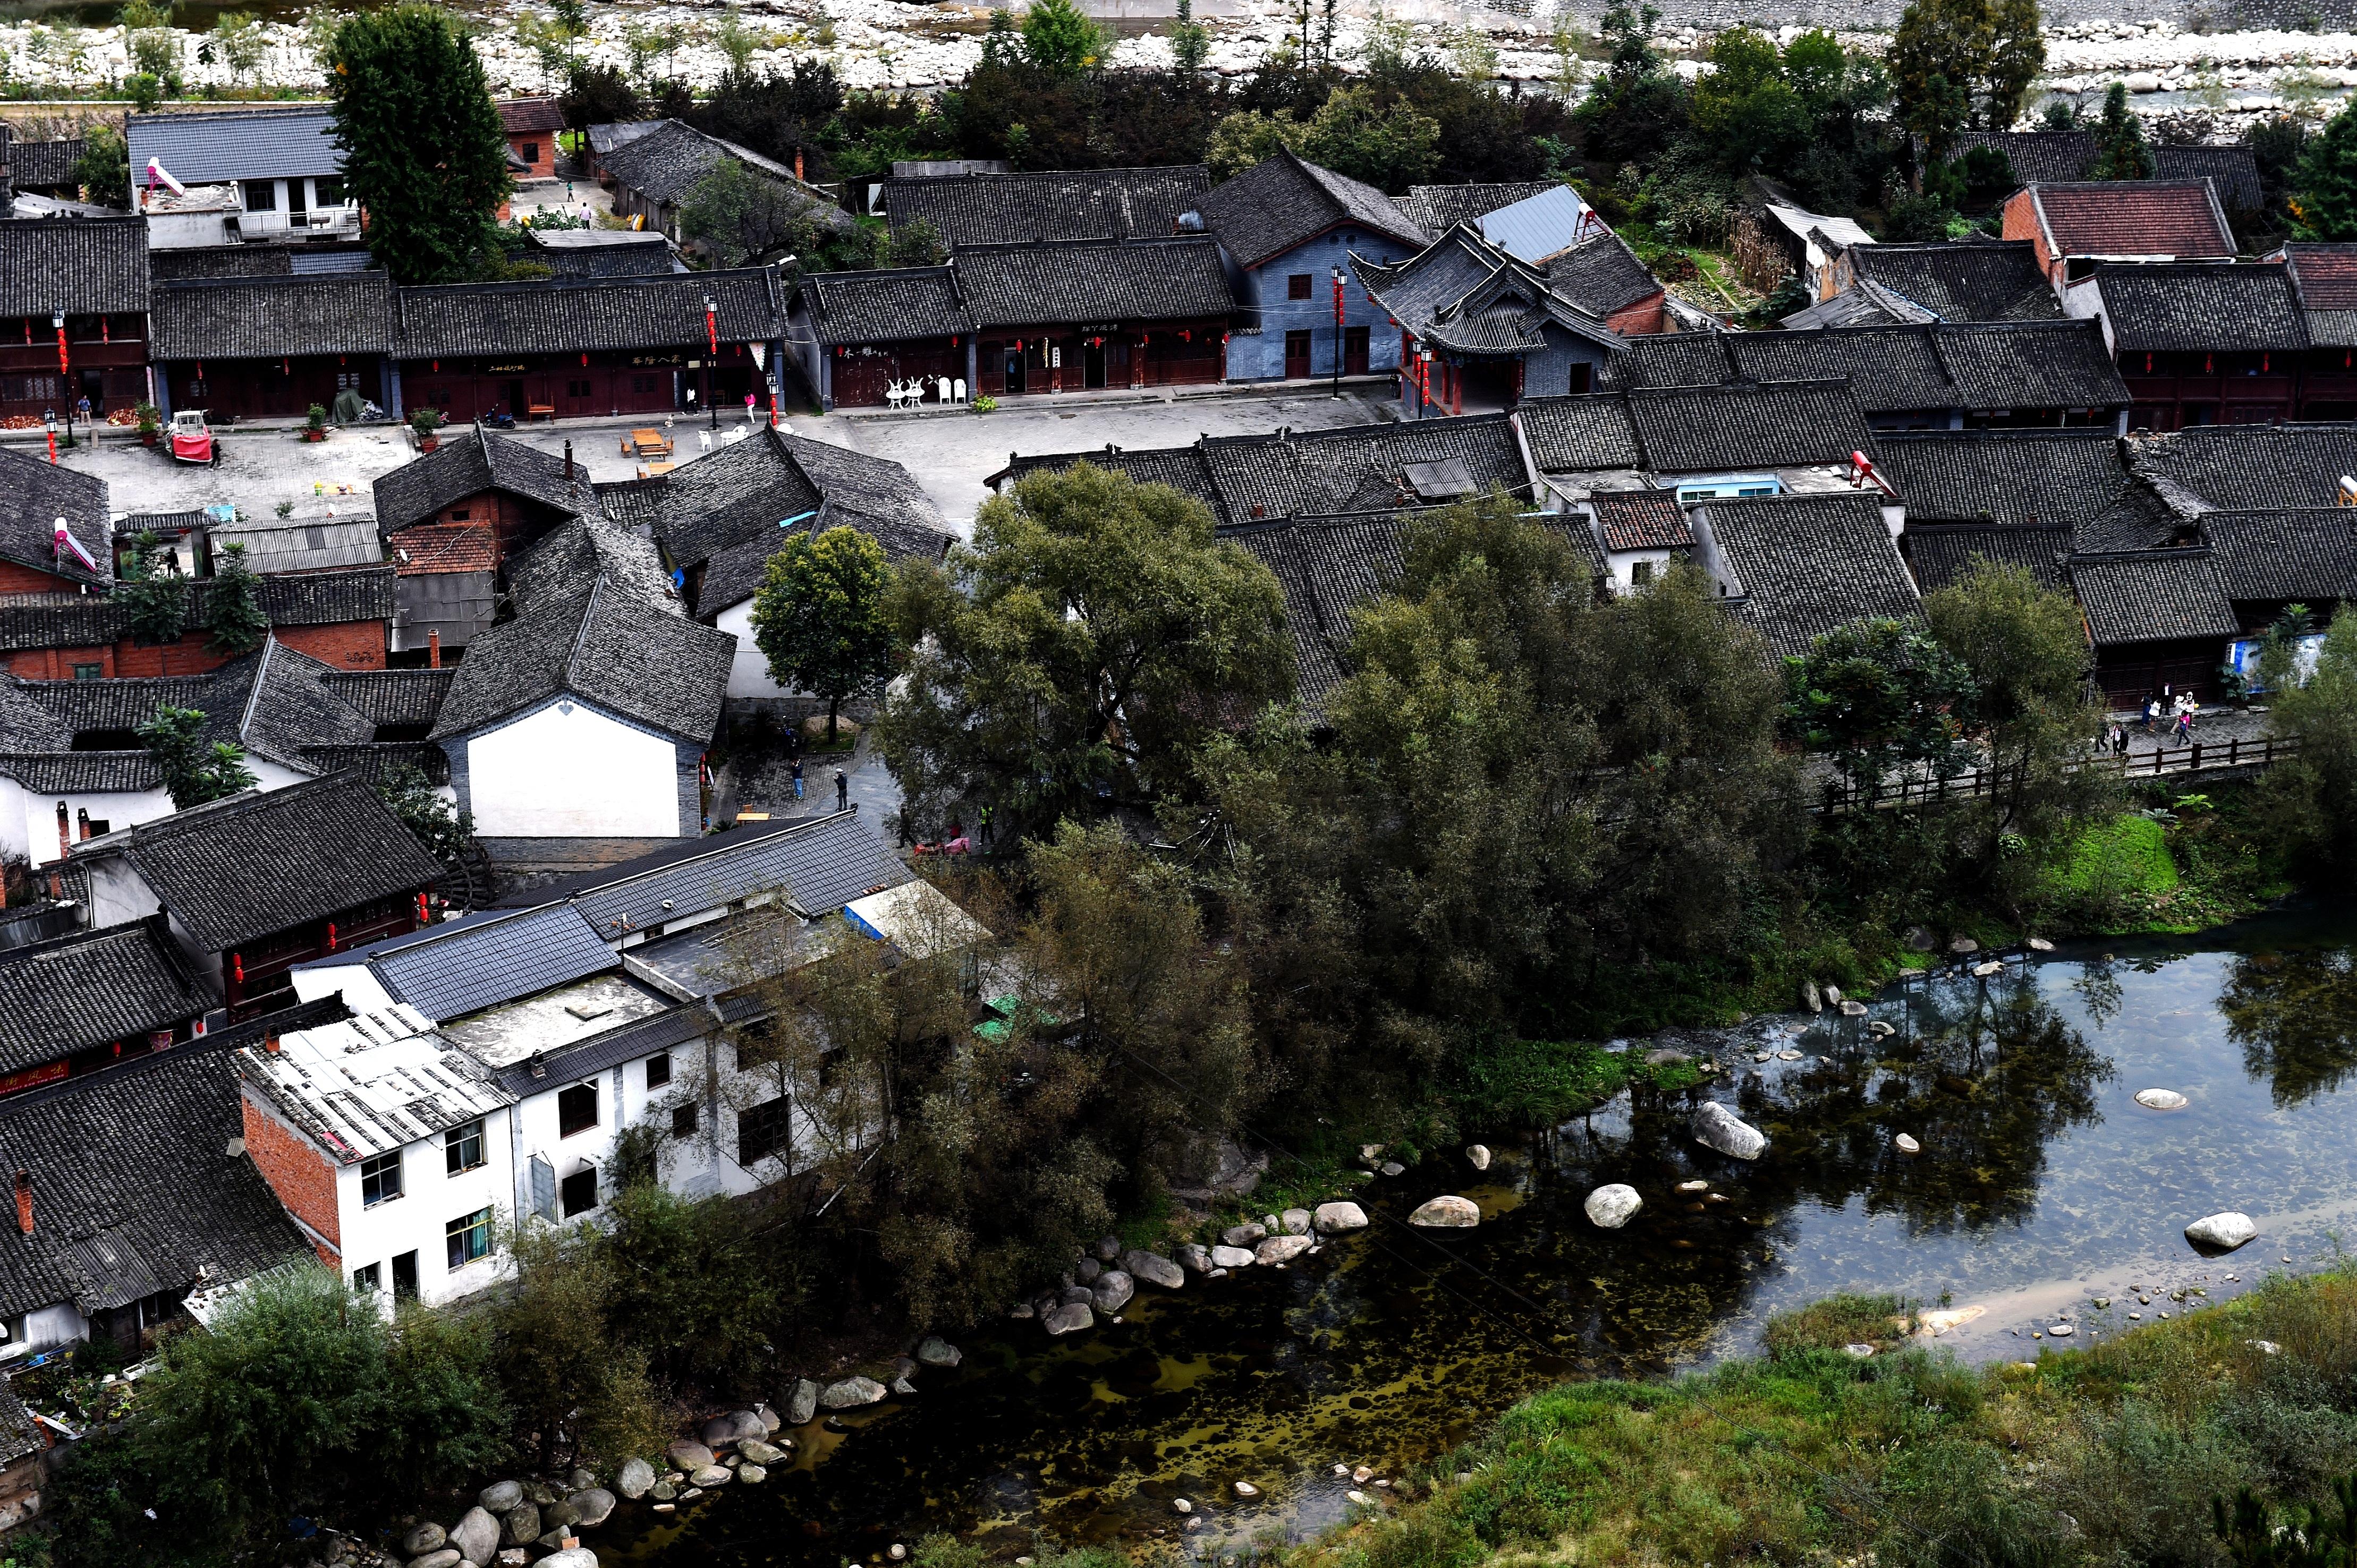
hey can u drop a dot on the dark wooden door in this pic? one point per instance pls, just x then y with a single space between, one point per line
1354 350
1296 355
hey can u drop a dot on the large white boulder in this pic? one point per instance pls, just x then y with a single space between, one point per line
1343 1216
2222 1232
1613 1206
1447 1212
1714 1126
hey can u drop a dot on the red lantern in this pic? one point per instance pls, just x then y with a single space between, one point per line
331 935
237 967
61 351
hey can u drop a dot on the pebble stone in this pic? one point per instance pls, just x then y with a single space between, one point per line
1247 1489
1906 1145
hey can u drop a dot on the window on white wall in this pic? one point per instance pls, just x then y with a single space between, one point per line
580 1192
462 1147
468 1237
576 1110
380 1179
368 1278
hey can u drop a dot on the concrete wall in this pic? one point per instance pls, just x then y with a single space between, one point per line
748 675
1261 357
418 1220
567 770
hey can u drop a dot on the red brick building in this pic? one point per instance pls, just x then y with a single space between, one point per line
341 619
532 124
2073 226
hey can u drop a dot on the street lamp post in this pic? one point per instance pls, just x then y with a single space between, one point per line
1424 381
1338 331
711 337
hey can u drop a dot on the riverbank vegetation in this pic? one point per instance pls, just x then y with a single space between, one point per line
1811 1452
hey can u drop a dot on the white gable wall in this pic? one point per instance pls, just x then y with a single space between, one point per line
567 770
29 822
748 676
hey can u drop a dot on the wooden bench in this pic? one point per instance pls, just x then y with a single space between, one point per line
546 411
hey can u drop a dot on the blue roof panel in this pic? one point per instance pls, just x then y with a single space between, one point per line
483 963
1541 226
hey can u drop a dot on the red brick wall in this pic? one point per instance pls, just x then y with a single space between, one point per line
349 645
2021 223
192 655
303 1177
1637 320
542 156
57 663
16 579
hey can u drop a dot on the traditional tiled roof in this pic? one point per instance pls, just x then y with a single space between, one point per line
2325 277
597 252
1895 368
327 598
2249 468
2134 217
1138 280
42 165
258 864
1982 280
429 547
2152 596
90 988
33 495
559 569
1060 204
174 263
522 116
469 462
1576 434
236 144
1601 276
1284 200
2309 555
84 266
1183 468
2232 170
1326 566
1806 564
392 696
2059 477
2036 156
1942 552
1361 467
565 315
1641 519
1437 209
1767 425
1463 294
2160 308
666 163
134 1190
270 318
609 647
58 620
889 305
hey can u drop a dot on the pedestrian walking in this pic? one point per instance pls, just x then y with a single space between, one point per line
842 790
2119 740
2152 716
2184 724
798 777
988 835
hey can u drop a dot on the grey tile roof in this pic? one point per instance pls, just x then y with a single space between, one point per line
2154 595
1357 469
34 494
1601 276
1284 200
563 316
40 166
2034 365
240 144
557 571
1060 204
1976 280
1464 294
74 992
82 772
453 971
2232 170
269 318
2309 555
334 597
665 164
1062 281
2245 467
1326 566
85 266
1899 368
824 863
2198 306
1942 552
1867 305
58 620
1810 563
132 1191
600 253
469 462
2326 279
2042 157
178 262
1582 434
1437 209
292 709
887 305
2010 476
1769 424
1641 519
258 864
1183 468
610 648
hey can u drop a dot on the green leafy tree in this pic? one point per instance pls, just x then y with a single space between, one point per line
2121 151
234 619
240 42
1389 146
1087 641
1250 137
1745 108
917 244
1640 107
2310 800
566 1406
424 150
598 95
1959 63
103 170
448 833
692 1282
821 617
1880 698
194 770
2325 201
1191 44
154 596
1060 38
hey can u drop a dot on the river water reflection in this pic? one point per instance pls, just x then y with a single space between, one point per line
2042 1185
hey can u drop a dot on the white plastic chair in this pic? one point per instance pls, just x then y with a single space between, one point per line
960 385
704 439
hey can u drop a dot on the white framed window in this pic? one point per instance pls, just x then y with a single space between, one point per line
380 1179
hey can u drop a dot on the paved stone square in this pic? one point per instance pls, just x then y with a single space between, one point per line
949 454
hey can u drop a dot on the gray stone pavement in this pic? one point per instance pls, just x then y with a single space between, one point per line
949 452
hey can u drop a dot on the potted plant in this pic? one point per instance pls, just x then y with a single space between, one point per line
314 424
151 422
425 421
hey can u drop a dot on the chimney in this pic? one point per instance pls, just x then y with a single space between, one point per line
270 1045
798 163
434 648
24 1202
568 462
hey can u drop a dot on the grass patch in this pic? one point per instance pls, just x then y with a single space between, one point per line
2126 858
1535 1083
2102 1455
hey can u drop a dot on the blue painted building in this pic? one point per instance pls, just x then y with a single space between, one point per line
1287 228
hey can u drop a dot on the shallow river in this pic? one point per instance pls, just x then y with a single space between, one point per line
2042 1185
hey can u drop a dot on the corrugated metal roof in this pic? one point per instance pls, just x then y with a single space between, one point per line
373 1083
1539 226
201 149
487 962
305 263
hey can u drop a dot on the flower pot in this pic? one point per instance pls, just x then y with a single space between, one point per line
427 444
147 438
315 436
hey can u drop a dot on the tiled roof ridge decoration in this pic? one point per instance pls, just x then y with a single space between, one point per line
1392 288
